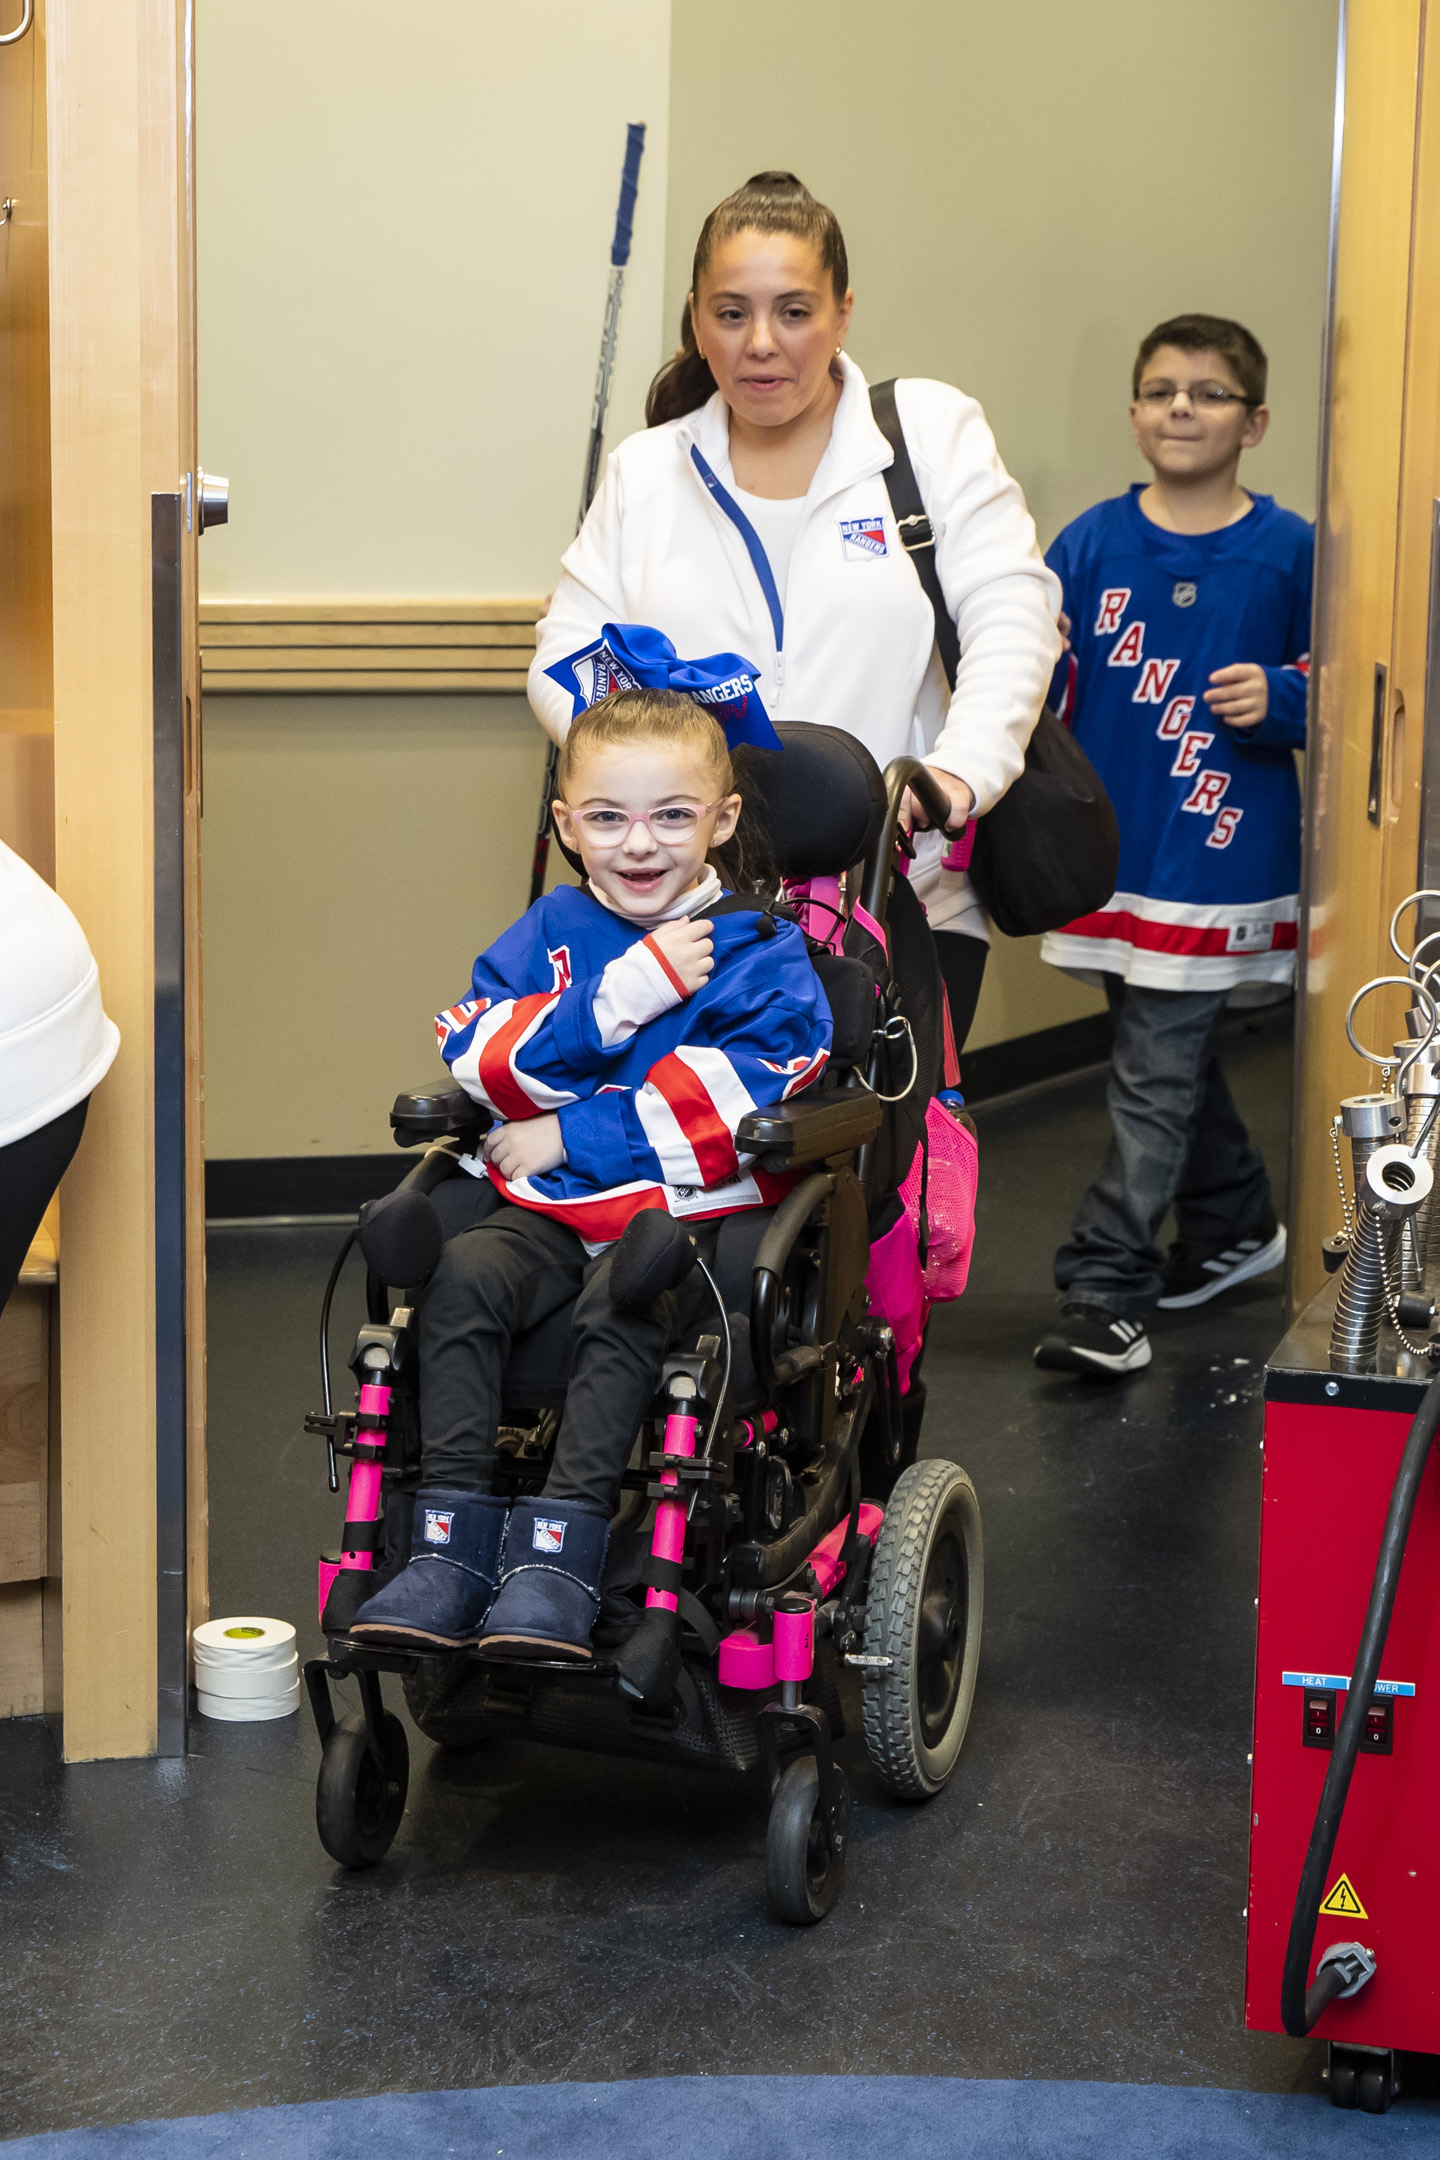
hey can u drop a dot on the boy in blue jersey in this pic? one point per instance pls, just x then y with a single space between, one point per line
620 1031
1188 610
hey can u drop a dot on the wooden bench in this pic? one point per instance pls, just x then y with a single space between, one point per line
29 1372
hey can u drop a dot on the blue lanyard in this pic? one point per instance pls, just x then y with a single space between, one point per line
753 545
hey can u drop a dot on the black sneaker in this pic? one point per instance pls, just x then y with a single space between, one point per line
1196 1273
1090 1340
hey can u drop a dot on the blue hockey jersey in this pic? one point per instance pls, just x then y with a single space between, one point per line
575 1010
1207 892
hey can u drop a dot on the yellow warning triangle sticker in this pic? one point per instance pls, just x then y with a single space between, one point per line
1343 1903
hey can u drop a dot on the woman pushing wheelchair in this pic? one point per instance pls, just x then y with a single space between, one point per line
620 1031
758 510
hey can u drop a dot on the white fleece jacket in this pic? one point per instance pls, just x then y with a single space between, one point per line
854 645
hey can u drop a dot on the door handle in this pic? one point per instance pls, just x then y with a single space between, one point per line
1377 743
212 499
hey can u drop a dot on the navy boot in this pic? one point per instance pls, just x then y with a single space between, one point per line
440 1600
550 1590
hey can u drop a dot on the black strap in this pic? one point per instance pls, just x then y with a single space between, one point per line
363 1536
663 1574
912 521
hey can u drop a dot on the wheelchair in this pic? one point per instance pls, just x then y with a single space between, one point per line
775 1523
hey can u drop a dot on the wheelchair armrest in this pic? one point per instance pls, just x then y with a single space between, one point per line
438 1113
811 1128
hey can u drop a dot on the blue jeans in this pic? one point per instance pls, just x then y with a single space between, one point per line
1176 1138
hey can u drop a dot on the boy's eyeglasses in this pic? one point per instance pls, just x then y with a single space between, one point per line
674 821
1212 395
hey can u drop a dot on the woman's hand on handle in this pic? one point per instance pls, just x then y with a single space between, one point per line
962 803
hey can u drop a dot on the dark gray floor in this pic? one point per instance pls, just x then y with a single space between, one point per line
177 1940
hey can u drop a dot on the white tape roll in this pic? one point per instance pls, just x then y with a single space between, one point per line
246 1685
267 1661
246 1636
248 1709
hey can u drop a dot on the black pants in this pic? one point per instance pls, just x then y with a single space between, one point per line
30 1170
962 963
505 1269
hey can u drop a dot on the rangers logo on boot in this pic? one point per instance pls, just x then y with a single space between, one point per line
547 1536
437 1525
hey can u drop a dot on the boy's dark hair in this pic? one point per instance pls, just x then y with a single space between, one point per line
769 202
1237 346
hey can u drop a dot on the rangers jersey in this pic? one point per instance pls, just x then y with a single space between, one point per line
1209 815
576 1010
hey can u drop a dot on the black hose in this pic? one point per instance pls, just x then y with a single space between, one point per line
1299 2010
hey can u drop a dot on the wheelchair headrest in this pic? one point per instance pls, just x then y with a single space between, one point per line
401 1237
820 800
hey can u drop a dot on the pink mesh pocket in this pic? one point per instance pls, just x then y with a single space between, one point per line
949 1201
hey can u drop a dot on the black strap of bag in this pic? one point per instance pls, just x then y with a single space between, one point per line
1049 850
912 522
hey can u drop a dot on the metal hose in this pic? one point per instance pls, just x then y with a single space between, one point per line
1360 1303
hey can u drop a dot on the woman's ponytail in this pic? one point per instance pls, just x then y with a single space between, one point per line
684 383
769 202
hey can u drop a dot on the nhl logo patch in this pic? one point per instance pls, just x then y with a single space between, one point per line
437 1525
1183 592
547 1536
863 538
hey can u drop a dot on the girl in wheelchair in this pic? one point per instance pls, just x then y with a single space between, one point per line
619 1031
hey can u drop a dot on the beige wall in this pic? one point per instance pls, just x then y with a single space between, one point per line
402 262
405 215
358 856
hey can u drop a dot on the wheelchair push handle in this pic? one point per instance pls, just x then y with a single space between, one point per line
901 773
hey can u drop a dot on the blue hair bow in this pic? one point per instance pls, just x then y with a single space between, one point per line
632 656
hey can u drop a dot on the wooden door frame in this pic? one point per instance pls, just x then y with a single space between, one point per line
122 386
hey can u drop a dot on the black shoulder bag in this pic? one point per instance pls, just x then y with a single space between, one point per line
1050 848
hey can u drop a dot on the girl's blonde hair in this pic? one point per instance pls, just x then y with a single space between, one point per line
664 716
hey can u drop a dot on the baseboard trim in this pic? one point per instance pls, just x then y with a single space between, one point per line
249 1188
1000 1068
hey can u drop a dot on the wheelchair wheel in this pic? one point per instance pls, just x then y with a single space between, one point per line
803 1870
927 1593
358 1804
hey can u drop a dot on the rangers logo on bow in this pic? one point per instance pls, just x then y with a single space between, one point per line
437 1525
598 673
547 1536
862 538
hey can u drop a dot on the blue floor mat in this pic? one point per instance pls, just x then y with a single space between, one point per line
766 2118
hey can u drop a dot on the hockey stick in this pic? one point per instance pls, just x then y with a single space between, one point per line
595 448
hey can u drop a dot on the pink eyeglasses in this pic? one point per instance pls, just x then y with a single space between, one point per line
608 828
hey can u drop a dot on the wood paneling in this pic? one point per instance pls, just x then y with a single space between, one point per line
367 645
121 428
22 1686
1354 879
27 784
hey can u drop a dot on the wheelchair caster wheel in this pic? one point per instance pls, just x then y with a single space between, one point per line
359 1802
804 1869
